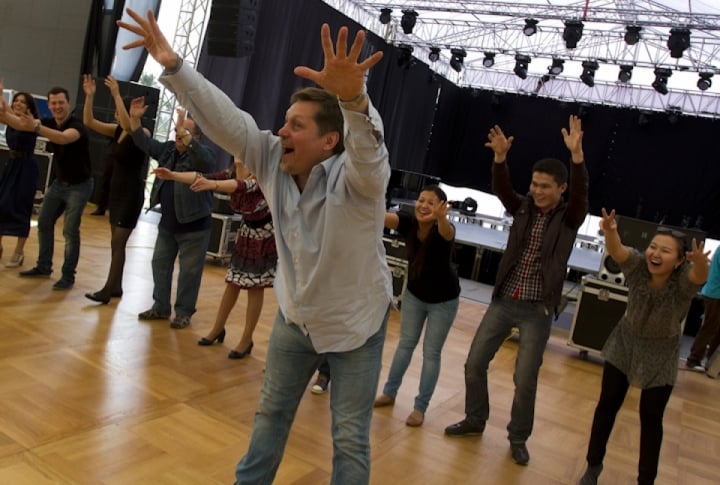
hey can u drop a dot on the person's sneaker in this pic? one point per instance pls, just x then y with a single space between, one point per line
465 428
590 477
63 284
519 453
35 272
180 321
383 400
694 365
321 384
152 314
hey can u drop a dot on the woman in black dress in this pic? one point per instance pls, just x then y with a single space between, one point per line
127 186
18 181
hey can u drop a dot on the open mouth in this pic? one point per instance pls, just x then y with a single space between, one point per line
287 150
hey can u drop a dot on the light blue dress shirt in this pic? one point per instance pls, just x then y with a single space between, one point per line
332 279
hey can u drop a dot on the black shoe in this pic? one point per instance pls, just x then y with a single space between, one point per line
64 284
591 475
35 272
100 211
234 354
219 338
465 428
519 453
98 297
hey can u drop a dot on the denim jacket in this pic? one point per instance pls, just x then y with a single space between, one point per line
189 206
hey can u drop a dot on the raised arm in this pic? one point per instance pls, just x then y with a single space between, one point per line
106 129
573 136
613 245
698 257
501 183
499 144
123 117
445 228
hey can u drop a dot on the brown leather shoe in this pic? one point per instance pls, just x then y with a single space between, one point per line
415 419
383 400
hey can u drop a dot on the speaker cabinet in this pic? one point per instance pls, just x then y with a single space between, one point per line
599 307
231 28
610 271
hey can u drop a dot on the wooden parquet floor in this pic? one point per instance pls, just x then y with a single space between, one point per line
91 395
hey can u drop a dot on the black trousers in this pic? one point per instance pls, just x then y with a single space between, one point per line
652 407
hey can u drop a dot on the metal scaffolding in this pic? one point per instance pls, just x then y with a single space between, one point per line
187 41
496 27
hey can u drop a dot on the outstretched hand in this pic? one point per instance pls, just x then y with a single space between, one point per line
341 74
163 173
201 184
573 138
88 85
499 143
150 37
607 221
697 254
112 85
138 107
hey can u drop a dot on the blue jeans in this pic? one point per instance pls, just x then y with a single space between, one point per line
190 248
534 322
440 317
61 198
291 362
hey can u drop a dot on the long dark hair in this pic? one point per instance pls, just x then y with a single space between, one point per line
414 244
29 101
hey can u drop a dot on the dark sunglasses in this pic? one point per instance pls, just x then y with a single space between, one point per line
672 232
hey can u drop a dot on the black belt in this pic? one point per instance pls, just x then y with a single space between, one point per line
259 223
16 154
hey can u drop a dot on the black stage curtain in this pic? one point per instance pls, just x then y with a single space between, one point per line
643 166
655 170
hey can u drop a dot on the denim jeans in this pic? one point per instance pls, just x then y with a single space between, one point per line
291 362
190 248
61 198
440 317
534 322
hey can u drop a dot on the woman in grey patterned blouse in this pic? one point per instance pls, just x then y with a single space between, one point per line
644 348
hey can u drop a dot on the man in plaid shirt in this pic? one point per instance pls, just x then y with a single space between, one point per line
529 281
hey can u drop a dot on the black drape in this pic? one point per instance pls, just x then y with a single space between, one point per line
656 171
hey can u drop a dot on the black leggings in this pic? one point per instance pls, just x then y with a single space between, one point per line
652 406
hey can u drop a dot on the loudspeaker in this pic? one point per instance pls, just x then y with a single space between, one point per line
610 271
231 28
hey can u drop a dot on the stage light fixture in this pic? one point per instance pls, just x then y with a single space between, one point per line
632 34
434 54
385 15
588 74
556 67
521 65
572 33
405 56
530 27
704 82
489 59
407 21
678 42
661 79
625 73
457 58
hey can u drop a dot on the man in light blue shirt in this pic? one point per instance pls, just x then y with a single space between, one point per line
324 175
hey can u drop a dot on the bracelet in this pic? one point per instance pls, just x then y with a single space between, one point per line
357 99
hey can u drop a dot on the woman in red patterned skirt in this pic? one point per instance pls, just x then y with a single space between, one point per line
254 258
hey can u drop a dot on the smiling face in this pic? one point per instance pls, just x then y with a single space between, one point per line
425 206
546 192
303 144
59 106
20 105
663 255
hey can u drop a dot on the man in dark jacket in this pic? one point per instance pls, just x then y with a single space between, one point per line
184 229
529 282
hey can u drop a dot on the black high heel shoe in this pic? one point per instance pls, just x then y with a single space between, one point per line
234 354
98 297
219 338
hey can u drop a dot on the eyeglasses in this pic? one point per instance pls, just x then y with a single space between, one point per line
672 232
